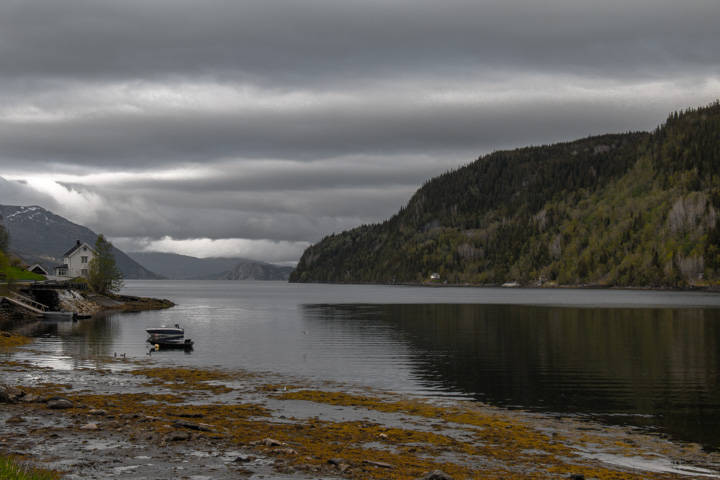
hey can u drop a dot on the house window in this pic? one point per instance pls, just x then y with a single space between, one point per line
62 272
84 272
84 249
83 259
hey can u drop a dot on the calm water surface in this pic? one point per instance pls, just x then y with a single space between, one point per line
633 357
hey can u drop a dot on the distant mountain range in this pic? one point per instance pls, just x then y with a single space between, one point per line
184 267
258 271
39 236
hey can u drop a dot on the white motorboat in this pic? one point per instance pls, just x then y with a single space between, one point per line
164 332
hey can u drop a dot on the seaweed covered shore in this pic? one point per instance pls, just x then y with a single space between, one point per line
132 418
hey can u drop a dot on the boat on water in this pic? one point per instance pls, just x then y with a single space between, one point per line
163 332
176 344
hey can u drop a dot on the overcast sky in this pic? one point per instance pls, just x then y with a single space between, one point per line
255 128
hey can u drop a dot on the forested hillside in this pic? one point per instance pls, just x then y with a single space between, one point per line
628 209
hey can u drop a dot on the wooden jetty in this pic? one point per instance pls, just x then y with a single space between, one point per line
26 303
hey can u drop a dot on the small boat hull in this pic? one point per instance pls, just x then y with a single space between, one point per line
166 344
164 336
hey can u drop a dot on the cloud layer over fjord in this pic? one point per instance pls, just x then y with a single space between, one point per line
268 125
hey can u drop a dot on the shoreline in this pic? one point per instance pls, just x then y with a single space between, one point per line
690 288
129 303
136 418
88 304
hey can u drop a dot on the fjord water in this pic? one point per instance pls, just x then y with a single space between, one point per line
645 358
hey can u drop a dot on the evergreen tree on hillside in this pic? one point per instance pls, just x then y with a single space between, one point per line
4 247
105 277
4 238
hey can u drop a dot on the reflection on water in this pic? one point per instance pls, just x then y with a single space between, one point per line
649 367
547 350
69 344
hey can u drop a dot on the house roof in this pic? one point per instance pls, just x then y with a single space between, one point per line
76 247
36 266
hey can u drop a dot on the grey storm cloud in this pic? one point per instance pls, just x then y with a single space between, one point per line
286 42
308 133
279 122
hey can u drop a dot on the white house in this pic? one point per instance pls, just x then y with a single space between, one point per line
76 262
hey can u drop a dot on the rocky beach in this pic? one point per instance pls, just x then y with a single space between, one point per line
134 418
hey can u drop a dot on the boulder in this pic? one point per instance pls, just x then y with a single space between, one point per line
14 391
247 459
30 398
59 403
4 395
194 426
176 437
378 464
437 475
285 451
10 394
271 442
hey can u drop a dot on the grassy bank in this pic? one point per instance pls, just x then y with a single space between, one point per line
13 469
17 273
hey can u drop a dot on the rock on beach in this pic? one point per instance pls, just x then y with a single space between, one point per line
59 403
437 475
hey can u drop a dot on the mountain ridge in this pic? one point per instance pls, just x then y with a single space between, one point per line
638 208
176 266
